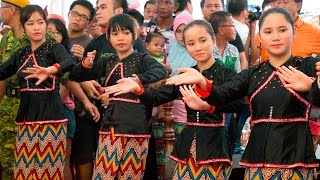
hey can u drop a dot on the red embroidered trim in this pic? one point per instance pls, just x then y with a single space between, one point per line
289 120
177 160
314 127
125 135
301 119
215 160
285 166
222 124
30 56
36 63
121 66
41 122
136 101
45 90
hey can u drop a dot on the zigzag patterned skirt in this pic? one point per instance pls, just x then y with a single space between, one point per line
121 157
40 151
278 174
210 171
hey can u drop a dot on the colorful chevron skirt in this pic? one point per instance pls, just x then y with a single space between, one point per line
121 157
209 171
278 174
40 150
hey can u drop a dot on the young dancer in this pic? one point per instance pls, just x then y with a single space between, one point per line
123 141
202 150
41 138
280 143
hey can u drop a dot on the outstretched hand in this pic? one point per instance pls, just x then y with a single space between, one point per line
191 98
37 72
124 85
295 79
187 76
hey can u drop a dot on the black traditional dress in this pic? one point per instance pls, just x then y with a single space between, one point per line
204 142
41 143
280 136
124 125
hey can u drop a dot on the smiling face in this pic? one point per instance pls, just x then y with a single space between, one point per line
276 36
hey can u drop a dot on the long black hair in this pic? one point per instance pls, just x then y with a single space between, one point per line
61 28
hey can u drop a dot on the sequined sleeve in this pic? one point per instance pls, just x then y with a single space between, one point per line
80 73
62 57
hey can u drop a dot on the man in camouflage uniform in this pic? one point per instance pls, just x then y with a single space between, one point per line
13 40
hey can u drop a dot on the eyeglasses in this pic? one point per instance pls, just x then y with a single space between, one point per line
94 22
75 14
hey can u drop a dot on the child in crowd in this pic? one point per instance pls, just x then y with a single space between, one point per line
124 136
155 44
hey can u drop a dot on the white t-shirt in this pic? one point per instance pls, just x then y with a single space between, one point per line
242 29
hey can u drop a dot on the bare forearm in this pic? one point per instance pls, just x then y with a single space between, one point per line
77 91
243 61
63 92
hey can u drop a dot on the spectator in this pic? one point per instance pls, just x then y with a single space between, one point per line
184 5
224 29
57 28
11 41
164 20
155 43
239 11
150 11
94 29
138 24
210 6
